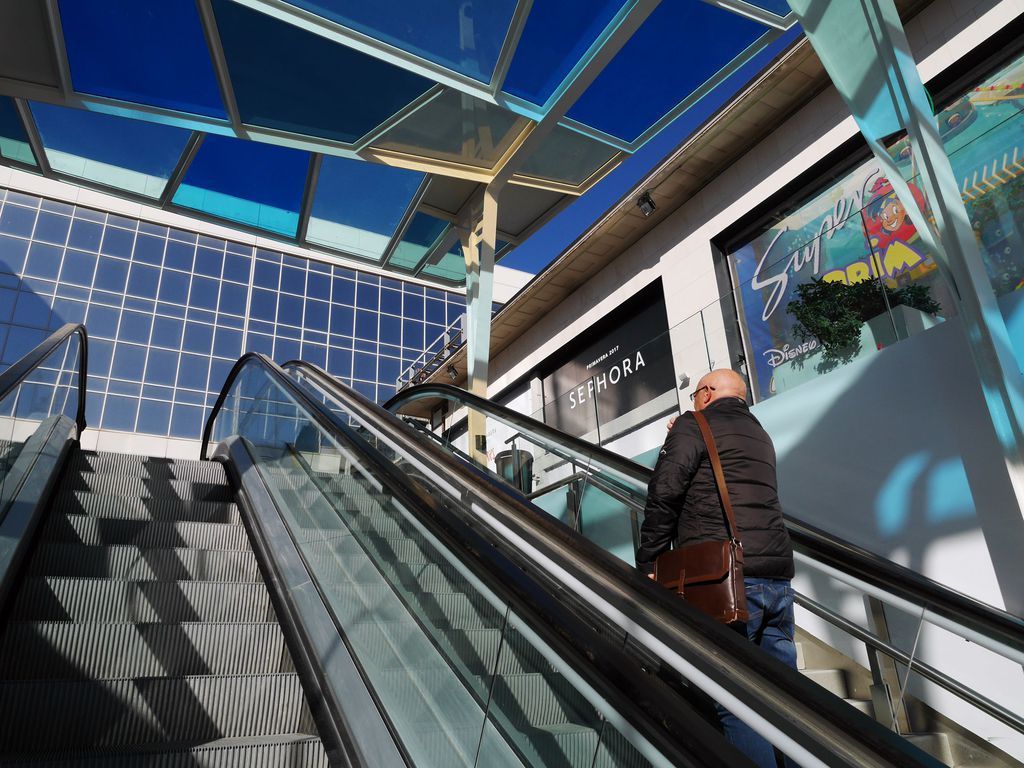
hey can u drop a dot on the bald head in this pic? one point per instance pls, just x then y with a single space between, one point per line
722 382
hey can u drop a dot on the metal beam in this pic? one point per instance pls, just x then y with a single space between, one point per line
401 116
403 225
309 192
59 49
178 174
371 46
208 20
35 141
510 45
755 13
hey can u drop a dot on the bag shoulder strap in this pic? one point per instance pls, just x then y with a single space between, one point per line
716 465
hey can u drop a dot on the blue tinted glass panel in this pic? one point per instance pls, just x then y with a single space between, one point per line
132 155
422 232
653 72
451 267
79 268
85 235
557 34
13 139
15 220
119 413
465 37
293 80
358 205
144 51
456 127
148 249
129 360
233 298
135 327
154 417
260 185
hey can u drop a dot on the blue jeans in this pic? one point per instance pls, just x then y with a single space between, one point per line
770 602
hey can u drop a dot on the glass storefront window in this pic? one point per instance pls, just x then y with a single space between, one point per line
858 230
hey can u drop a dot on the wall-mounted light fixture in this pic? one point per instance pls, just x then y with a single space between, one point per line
452 373
684 380
646 204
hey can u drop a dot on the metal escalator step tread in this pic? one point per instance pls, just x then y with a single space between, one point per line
425 696
71 502
101 531
541 699
616 752
67 650
57 715
58 558
113 600
832 680
564 744
90 463
117 484
444 609
297 750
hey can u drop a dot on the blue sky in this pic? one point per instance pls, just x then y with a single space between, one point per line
547 243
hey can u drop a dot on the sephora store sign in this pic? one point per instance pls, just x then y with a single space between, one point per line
623 363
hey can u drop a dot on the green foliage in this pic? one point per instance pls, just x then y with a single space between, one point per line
832 312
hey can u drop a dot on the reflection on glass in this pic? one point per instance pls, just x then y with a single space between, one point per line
131 155
457 127
858 231
568 157
291 79
13 139
421 234
48 392
357 205
451 266
464 37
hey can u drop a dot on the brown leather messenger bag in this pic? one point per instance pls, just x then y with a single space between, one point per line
709 574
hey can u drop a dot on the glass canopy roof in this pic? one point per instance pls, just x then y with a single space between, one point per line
365 129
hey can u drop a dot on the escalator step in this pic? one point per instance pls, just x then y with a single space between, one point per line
101 531
111 600
88 463
292 750
37 650
57 558
541 699
55 715
116 484
87 503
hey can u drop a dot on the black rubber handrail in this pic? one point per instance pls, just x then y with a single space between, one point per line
597 456
999 626
23 368
412 496
802 714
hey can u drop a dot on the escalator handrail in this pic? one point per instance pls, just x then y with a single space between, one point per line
24 367
801 715
331 423
597 456
1000 627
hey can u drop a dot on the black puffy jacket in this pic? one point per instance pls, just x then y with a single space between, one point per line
682 499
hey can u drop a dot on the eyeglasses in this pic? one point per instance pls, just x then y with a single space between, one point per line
693 395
